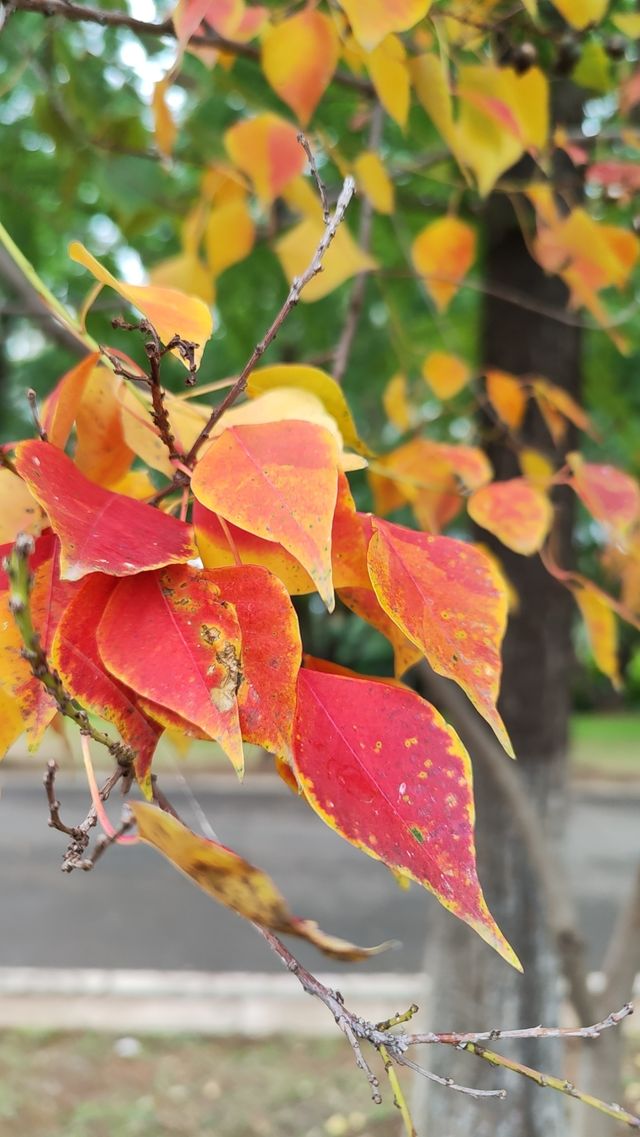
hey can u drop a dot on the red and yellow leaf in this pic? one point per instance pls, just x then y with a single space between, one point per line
610 495
299 57
232 881
170 637
382 767
279 481
517 513
318 383
266 149
99 531
442 254
448 599
171 313
76 658
271 653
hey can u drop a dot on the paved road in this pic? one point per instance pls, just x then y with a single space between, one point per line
136 911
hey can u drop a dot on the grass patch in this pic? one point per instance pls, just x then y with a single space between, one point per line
89 1085
606 745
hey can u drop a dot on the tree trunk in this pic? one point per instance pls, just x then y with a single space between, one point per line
473 988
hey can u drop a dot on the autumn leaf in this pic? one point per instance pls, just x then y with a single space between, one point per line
374 182
446 374
171 312
517 513
610 495
372 20
99 531
344 257
266 149
278 481
442 254
75 656
381 766
602 629
271 653
19 512
556 405
447 598
170 637
429 475
102 453
234 882
299 57
11 721
389 73
395 400
59 409
317 382
581 13
229 235
507 397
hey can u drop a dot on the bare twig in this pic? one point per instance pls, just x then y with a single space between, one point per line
209 38
16 566
298 284
448 1083
80 834
320 186
32 400
461 1040
356 297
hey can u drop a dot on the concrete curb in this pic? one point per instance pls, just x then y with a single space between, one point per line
229 1003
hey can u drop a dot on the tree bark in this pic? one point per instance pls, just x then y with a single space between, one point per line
472 987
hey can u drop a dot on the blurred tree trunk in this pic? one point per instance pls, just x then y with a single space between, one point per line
472 987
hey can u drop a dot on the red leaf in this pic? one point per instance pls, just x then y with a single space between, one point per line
170 637
99 531
279 481
610 495
271 653
49 598
447 597
75 656
382 767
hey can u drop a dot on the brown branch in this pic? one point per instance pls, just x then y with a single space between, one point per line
78 13
32 400
74 857
358 288
297 286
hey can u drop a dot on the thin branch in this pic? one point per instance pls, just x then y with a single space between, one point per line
448 1083
320 186
358 288
113 19
32 400
461 1040
16 566
299 283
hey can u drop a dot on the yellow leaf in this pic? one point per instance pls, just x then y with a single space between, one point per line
602 630
372 20
299 57
318 383
536 467
446 374
389 74
628 23
141 435
443 253
11 721
19 512
232 881
171 313
222 183
396 404
182 272
374 182
229 235
432 88
266 149
165 127
344 258
581 13
507 397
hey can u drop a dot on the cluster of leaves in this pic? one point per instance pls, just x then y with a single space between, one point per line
155 622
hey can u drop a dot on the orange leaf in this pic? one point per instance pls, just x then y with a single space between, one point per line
515 512
169 637
171 313
299 57
102 453
446 374
556 404
99 531
428 475
59 409
507 397
279 481
232 881
443 253
266 149
447 598
380 766
165 127
372 20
